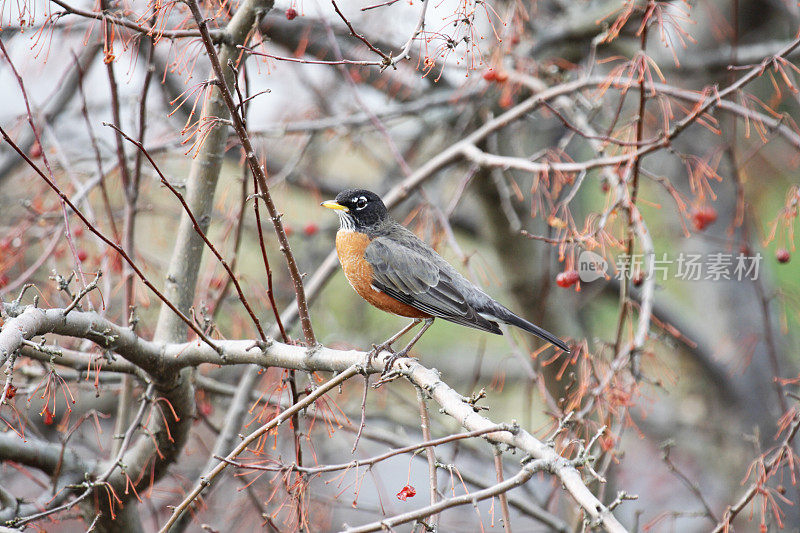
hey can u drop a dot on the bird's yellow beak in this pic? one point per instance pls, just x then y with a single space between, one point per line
331 204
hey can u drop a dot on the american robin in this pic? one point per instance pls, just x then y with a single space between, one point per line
395 271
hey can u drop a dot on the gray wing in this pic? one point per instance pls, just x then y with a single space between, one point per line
408 276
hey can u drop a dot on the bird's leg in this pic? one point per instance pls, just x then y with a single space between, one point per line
387 344
404 351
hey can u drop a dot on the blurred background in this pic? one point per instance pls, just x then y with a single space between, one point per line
697 394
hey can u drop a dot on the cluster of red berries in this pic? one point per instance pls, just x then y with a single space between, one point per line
309 230
495 75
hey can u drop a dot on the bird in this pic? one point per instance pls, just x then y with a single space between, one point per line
397 272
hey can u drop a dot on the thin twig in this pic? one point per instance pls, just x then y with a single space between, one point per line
217 35
425 425
386 59
362 423
630 206
691 485
376 459
498 468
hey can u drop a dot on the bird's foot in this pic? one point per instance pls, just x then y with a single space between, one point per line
389 372
392 359
378 348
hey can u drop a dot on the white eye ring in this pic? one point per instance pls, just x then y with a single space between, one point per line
361 202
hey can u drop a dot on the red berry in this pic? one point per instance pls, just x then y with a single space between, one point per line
36 151
568 278
48 416
406 492
501 76
12 391
605 186
703 217
205 408
82 255
638 278
783 255
490 75
291 13
310 229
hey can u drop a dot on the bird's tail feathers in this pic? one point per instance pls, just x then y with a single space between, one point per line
508 317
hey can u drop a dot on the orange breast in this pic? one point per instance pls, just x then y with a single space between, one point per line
350 247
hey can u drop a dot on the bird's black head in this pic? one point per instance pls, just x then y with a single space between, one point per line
358 208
